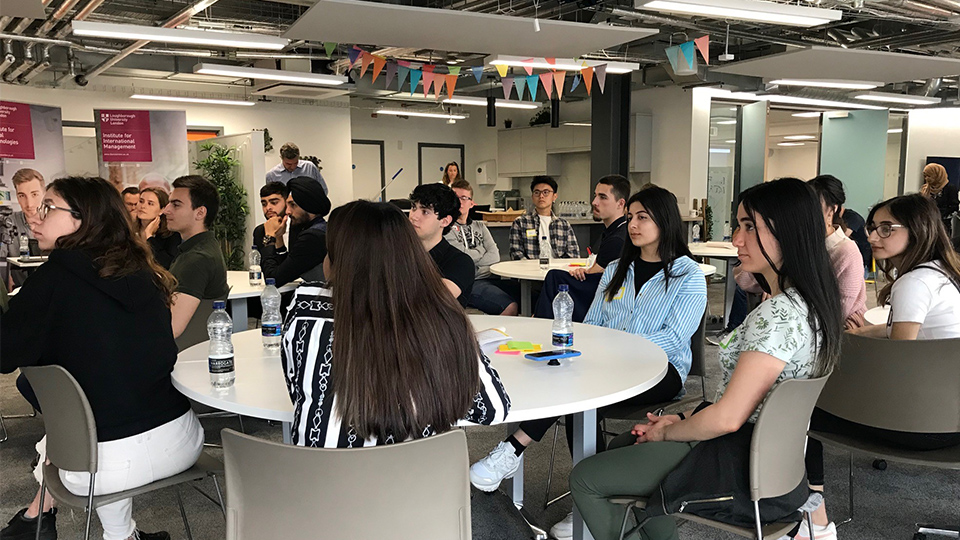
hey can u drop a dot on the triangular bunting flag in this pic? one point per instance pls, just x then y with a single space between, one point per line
689 51
403 72
365 60
520 83
601 73
329 46
575 83
672 54
587 78
378 63
391 73
454 70
551 61
502 70
703 45
546 80
403 63
507 86
532 82
477 72
427 83
428 68
527 67
415 75
437 86
558 78
354 54
451 84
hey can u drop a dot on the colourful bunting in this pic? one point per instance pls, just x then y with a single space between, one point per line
415 75
601 73
403 63
575 83
354 54
527 67
477 72
427 82
378 63
520 83
428 68
437 86
689 53
391 73
454 70
532 82
558 78
502 70
507 86
672 54
551 61
587 78
451 84
329 46
365 60
546 80
403 72
703 45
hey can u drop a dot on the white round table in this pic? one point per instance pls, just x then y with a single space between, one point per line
877 315
613 366
725 251
242 293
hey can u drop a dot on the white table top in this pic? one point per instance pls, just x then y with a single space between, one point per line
614 365
15 261
239 283
877 315
720 250
529 269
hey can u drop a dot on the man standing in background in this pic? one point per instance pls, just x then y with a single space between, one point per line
291 166
131 196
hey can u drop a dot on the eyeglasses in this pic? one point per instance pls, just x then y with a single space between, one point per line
466 198
884 230
45 209
543 193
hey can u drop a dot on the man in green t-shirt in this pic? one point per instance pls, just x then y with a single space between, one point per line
199 268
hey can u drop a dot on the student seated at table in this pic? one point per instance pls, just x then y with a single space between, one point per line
609 205
307 206
404 362
794 334
151 224
654 290
540 223
273 204
199 268
102 288
923 291
434 208
474 239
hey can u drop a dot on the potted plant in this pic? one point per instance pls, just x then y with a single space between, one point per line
219 165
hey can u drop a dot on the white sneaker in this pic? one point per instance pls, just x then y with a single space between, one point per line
501 463
563 529
827 532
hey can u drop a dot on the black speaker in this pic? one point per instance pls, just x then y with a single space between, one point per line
491 111
555 113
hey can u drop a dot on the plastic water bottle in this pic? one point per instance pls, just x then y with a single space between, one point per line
256 274
544 253
220 356
563 319
24 247
270 323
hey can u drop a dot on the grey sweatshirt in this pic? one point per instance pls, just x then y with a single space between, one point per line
474 239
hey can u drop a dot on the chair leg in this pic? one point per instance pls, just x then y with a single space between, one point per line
849 492
810 525
4 428
183 514
240 419
43 491
216 486
756 515
90 509
626 517
553 455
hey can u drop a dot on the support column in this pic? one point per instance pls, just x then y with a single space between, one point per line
610 131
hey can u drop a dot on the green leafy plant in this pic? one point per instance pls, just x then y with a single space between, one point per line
708 223
542 117
219 165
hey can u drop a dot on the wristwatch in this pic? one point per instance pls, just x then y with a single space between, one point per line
267 240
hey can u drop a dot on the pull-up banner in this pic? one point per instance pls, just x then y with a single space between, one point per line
125 136
16 131
142 148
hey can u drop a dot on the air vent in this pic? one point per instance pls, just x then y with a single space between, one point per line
297 91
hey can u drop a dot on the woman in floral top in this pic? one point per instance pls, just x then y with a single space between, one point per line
794 334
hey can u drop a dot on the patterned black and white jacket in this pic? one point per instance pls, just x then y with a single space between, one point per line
307 355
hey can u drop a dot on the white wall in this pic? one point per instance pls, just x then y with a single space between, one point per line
81 155
796 161
930 132
891 176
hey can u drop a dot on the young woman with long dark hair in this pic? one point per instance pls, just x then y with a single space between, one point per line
794 334
654 290
404 362
100 308
151 224
451 173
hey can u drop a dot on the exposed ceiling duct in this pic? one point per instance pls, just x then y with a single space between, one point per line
8 57
39 68
26 63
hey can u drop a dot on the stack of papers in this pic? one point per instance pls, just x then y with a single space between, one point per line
519 347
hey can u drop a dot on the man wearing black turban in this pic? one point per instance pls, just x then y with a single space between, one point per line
307 206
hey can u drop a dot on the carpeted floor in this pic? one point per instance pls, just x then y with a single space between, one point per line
888 503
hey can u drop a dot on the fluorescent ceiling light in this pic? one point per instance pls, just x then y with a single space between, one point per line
194 100
614 66
562 64
178 35
790 144
800 137
406 112
791 100
582 124
895 130
745 10
898 98
269 74
806 115
843 85
731 141
727 123
482 102
719 150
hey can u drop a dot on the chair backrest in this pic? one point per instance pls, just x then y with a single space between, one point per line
911 386
67 418
779 437
196 330
411 490
698 367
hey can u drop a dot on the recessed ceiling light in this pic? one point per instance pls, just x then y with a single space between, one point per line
800 137
482 102
194 100
727 122
790 144
745 10
806 115
719 150
422 114
178 35
895 130
843 85
898 98
269 74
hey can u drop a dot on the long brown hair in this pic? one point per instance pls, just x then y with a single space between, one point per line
446 181
162 200
404 353
106 232
928 240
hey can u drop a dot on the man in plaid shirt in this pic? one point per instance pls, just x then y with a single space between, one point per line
526 231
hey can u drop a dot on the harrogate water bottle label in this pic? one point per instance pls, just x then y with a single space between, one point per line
563 340
255 275
221 364
270 330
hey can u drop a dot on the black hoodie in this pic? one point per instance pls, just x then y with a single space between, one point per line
113 336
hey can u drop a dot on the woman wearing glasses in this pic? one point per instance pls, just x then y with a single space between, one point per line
909 241
100 308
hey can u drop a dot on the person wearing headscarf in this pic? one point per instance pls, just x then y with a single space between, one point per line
937 186
307 206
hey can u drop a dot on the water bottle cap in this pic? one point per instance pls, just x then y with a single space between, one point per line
564 288
219 304
254 247
271 281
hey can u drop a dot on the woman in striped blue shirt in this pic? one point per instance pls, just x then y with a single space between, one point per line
655 290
